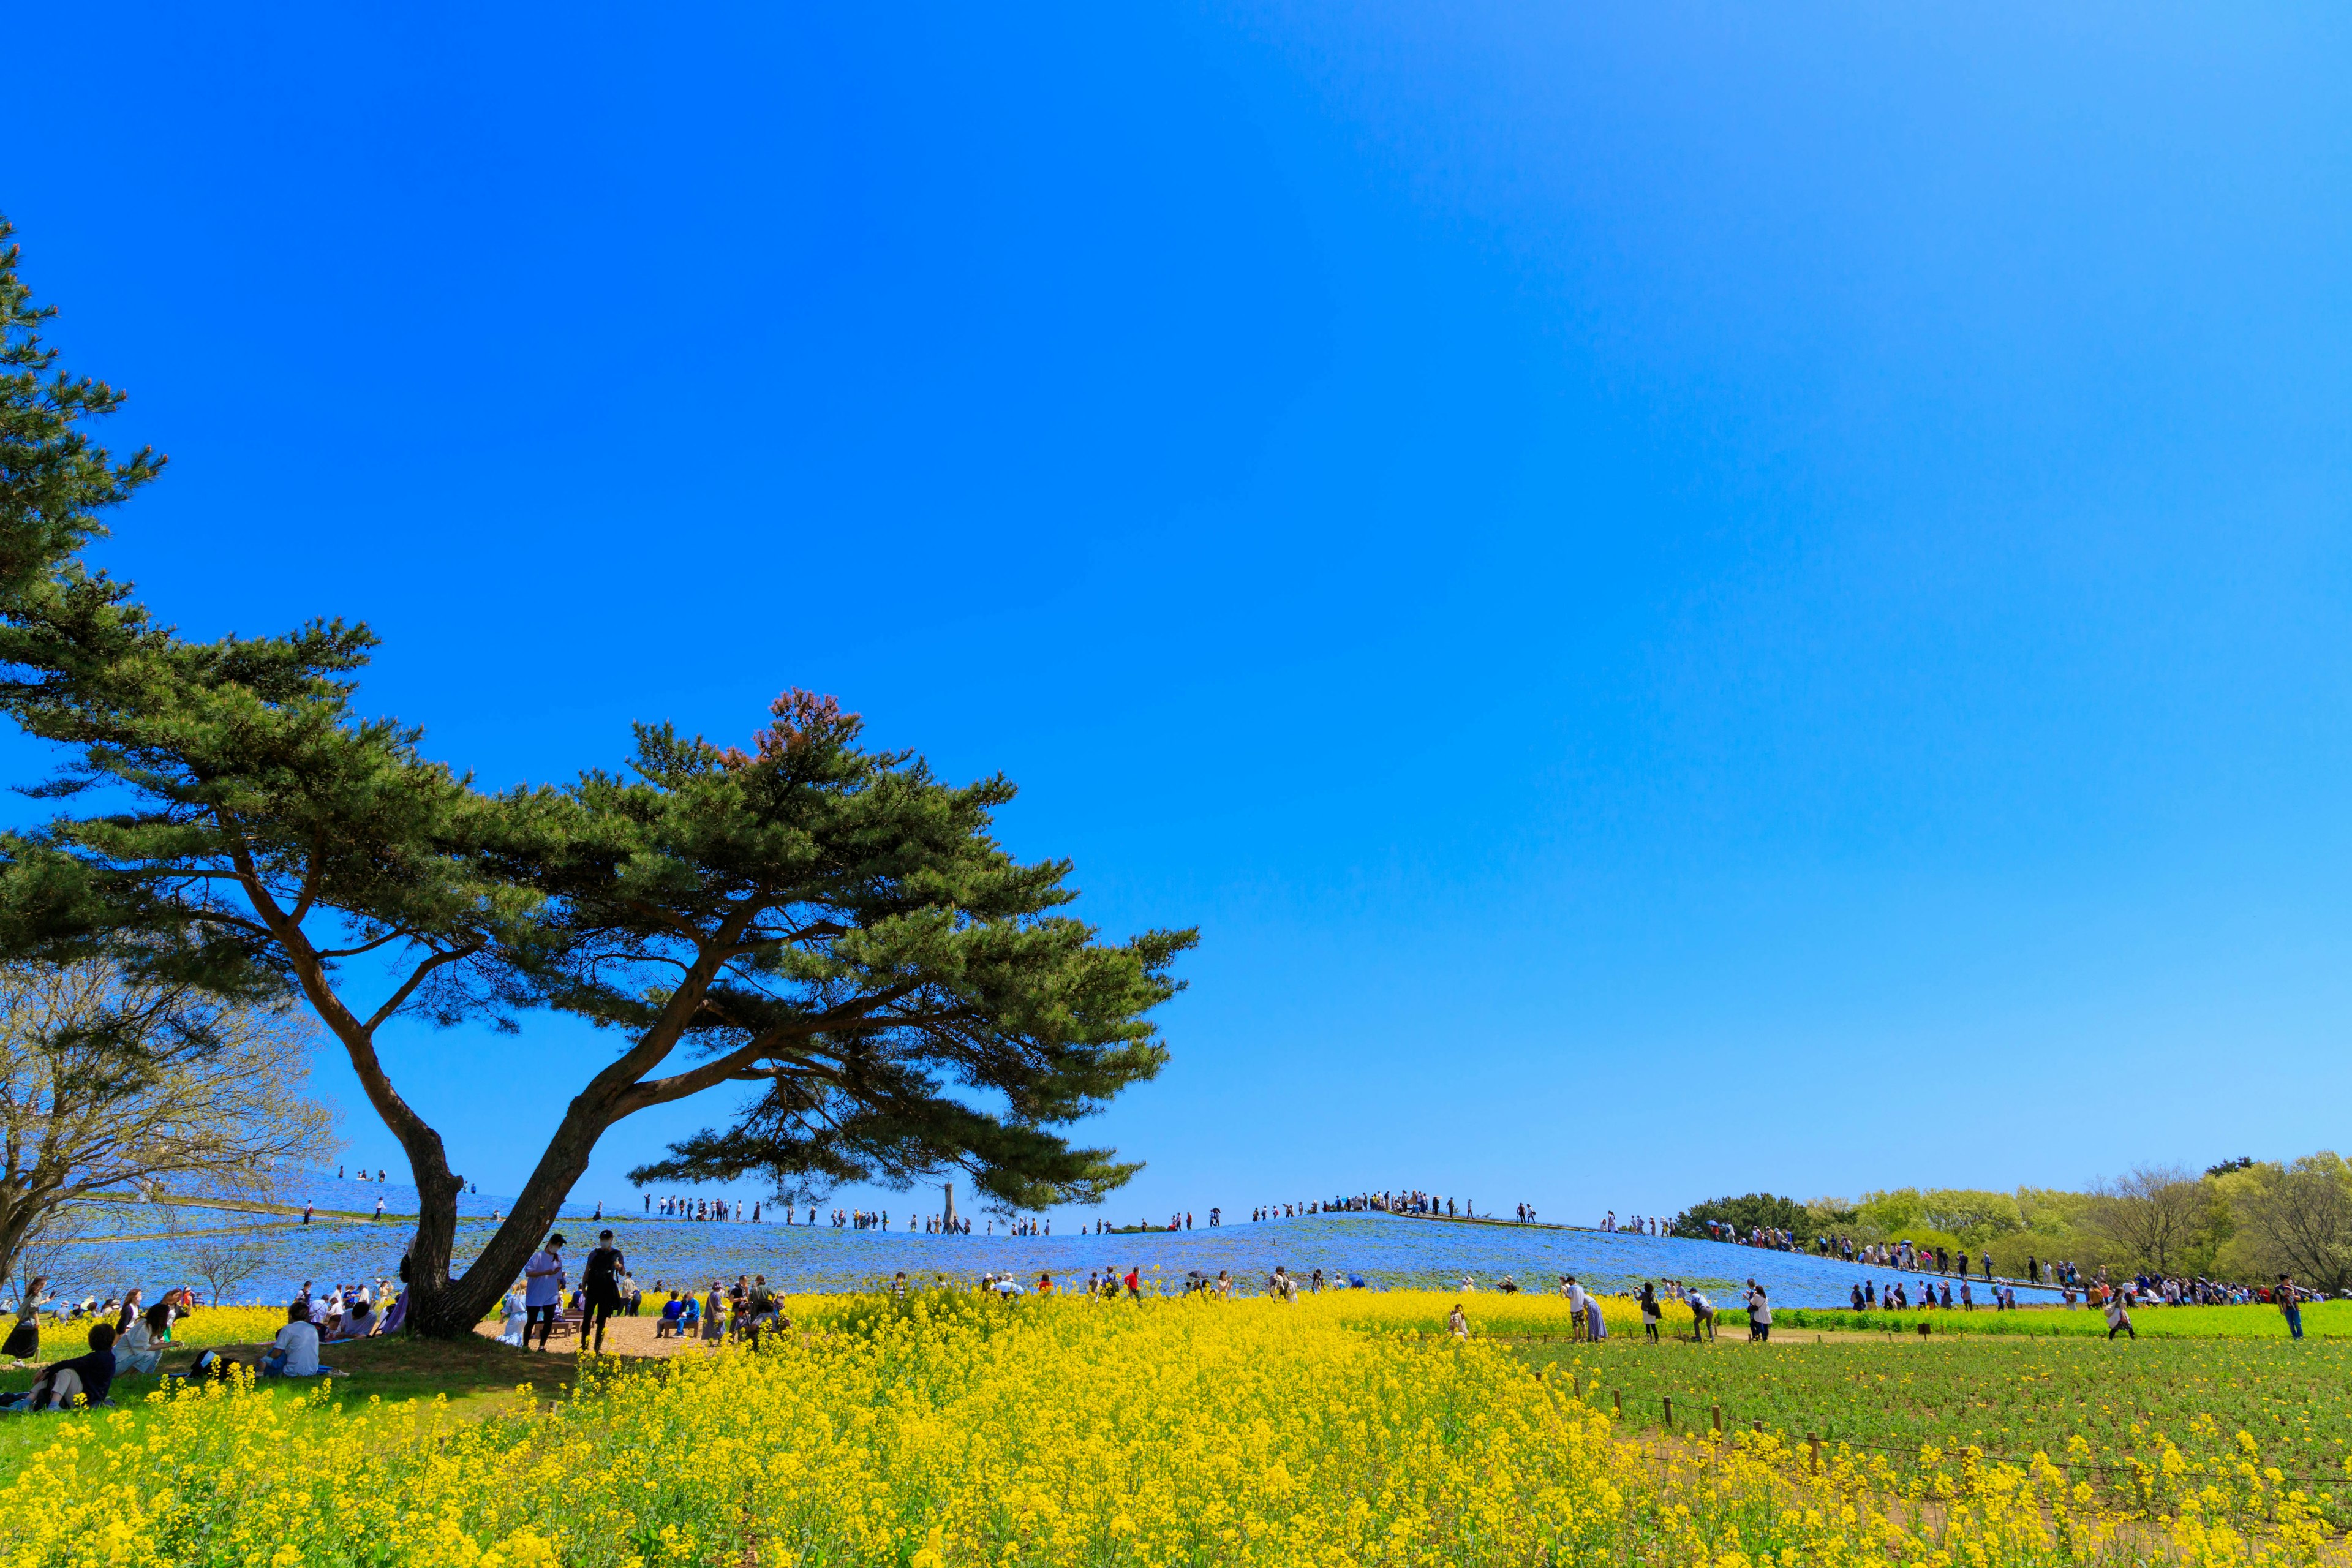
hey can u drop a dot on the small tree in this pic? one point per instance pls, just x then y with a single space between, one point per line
2155 1215
227 1260
108 1084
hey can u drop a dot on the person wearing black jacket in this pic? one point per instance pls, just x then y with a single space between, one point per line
91 1377
603 1293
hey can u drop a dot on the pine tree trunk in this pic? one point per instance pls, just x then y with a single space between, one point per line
445 1308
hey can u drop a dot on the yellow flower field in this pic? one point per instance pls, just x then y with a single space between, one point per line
955 1430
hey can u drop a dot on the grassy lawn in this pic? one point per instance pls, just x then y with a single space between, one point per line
473 1378
2096 1402
2320 1320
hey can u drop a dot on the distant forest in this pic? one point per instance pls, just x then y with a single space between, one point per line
2242 1220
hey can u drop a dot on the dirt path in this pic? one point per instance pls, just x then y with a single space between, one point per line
622 1336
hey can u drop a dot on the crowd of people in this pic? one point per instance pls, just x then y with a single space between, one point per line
1412 1201
128 1336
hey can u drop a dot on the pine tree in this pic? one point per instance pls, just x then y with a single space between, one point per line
831 924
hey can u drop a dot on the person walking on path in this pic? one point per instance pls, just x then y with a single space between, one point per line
543 1295
2289 1308
2118 1316
605 1267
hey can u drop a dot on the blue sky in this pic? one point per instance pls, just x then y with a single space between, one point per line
1693 597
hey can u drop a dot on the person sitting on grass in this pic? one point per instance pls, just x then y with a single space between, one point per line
142 1348
295 1352
84 1380
359 1321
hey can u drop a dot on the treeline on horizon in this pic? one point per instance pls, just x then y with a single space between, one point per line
2242 1220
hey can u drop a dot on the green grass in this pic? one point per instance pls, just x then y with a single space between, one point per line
2011 1396
2320 1320
474 1377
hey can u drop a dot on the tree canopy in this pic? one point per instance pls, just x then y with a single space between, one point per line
1754 1211
831 926
53 481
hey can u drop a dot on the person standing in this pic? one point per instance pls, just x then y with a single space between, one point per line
25 1338
1650 1311
2289 1308
605 1267
543 1295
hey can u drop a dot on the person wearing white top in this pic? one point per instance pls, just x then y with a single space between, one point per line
295 1352
543 1290
1575 1294
512 1321
139 1350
